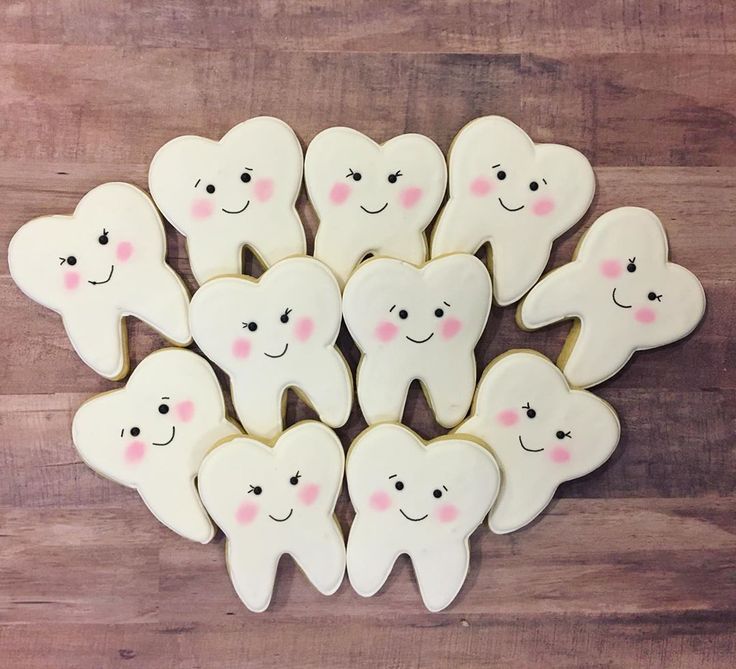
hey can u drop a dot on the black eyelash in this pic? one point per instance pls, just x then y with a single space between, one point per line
398 174
63 260
567 434
297 475
251 488
632 260
287 312
446 303
526 406
350 172
544 181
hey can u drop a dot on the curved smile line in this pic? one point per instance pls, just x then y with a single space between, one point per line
413 520
617 303
109 276
166 443
239 211
377 211
280 355
509 208
420 341
282 520
530 450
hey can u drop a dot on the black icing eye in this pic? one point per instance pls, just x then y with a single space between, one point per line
399 485
295 479
439 313
285 316
500 175
256 489
245 177
135 431
403 314
533 186
210 189
357 176
653 296
252 326
71 260
631 267
393 178
163 408
560 434
437 493
103 238
530 413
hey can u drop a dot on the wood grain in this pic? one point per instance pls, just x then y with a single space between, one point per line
631 566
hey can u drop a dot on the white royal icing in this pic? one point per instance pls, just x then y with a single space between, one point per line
421 499
104 262
541 432
152 435
237 192
372 198
513 194
417 323
272 500
625 293
272 334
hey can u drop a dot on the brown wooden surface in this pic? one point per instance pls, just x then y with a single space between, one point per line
634 565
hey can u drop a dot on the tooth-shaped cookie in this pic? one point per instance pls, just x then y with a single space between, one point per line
372 198
541 432
273 334
513 194
152 435
417 323
626 294
104 262
272 500
237 192
422 499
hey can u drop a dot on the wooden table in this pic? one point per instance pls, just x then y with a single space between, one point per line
634 565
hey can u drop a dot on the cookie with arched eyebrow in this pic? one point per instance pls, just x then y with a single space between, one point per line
541 432
152 435
417 323
104 262
423 499
276 333
624 292
275 499
235 192
513 194
372 198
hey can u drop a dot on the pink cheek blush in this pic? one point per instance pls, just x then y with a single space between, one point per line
339 193
645 315
508 417
134 452
71 280
246 513
202 208
447 513
386 331
185 410
308 494
410 196
263 189
380 501
543 206
480 186
303 329
123 251
450 327
241 348
559 454
611 269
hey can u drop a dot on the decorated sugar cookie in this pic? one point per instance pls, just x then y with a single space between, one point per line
421 499
541 432
276 333
237 192
514 195
372 198
276 500
152 435
104 262
625 293
417 323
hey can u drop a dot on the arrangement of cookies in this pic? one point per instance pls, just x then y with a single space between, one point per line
415 310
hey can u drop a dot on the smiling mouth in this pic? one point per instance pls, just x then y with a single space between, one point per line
617 303
530 450
420 341
377 211
239 211
166 443
280 355
281 520
413 520
109 276
509 208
